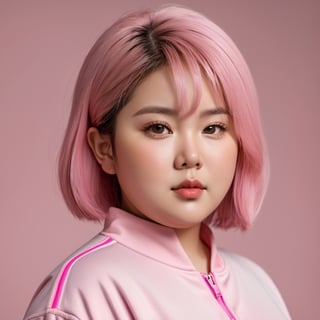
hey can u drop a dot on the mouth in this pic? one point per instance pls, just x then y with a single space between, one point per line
189 189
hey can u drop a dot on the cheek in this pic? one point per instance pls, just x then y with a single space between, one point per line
231 155
135 158
225 160
231 162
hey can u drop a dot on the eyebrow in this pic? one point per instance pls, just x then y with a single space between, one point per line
214 111
172 112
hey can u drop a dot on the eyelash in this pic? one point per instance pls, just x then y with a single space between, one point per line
149 127
222 127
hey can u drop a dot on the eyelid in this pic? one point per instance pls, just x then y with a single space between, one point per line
154 122
220 125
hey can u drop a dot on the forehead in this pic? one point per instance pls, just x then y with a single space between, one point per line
182 93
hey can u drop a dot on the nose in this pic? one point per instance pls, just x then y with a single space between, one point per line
187 156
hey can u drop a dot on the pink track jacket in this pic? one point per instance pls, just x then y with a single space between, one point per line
136 269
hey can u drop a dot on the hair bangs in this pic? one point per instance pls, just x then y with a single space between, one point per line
183 59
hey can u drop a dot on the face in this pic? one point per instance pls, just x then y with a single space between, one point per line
172 169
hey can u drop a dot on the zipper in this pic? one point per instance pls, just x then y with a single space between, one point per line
213 286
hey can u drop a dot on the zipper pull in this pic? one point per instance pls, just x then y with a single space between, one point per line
211 281
209 277
216 289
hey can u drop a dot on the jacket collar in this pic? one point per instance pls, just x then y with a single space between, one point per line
155 241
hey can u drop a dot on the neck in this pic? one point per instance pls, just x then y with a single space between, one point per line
197 251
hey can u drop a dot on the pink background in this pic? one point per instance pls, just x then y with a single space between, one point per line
43 44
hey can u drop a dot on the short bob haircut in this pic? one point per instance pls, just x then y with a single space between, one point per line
133 47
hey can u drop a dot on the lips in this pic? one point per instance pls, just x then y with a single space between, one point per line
189 184
189 189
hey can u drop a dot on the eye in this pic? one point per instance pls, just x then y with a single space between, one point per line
215 129
157 129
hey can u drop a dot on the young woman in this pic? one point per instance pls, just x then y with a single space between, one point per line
163 143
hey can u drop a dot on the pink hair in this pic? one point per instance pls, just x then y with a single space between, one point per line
128 51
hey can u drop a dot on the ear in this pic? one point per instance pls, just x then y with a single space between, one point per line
101 146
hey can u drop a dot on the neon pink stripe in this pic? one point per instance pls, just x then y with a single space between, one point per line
68 266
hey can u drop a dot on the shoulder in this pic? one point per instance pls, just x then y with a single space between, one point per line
251 276
69 279
241 263
243 267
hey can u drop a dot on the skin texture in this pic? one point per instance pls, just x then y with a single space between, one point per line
156 148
